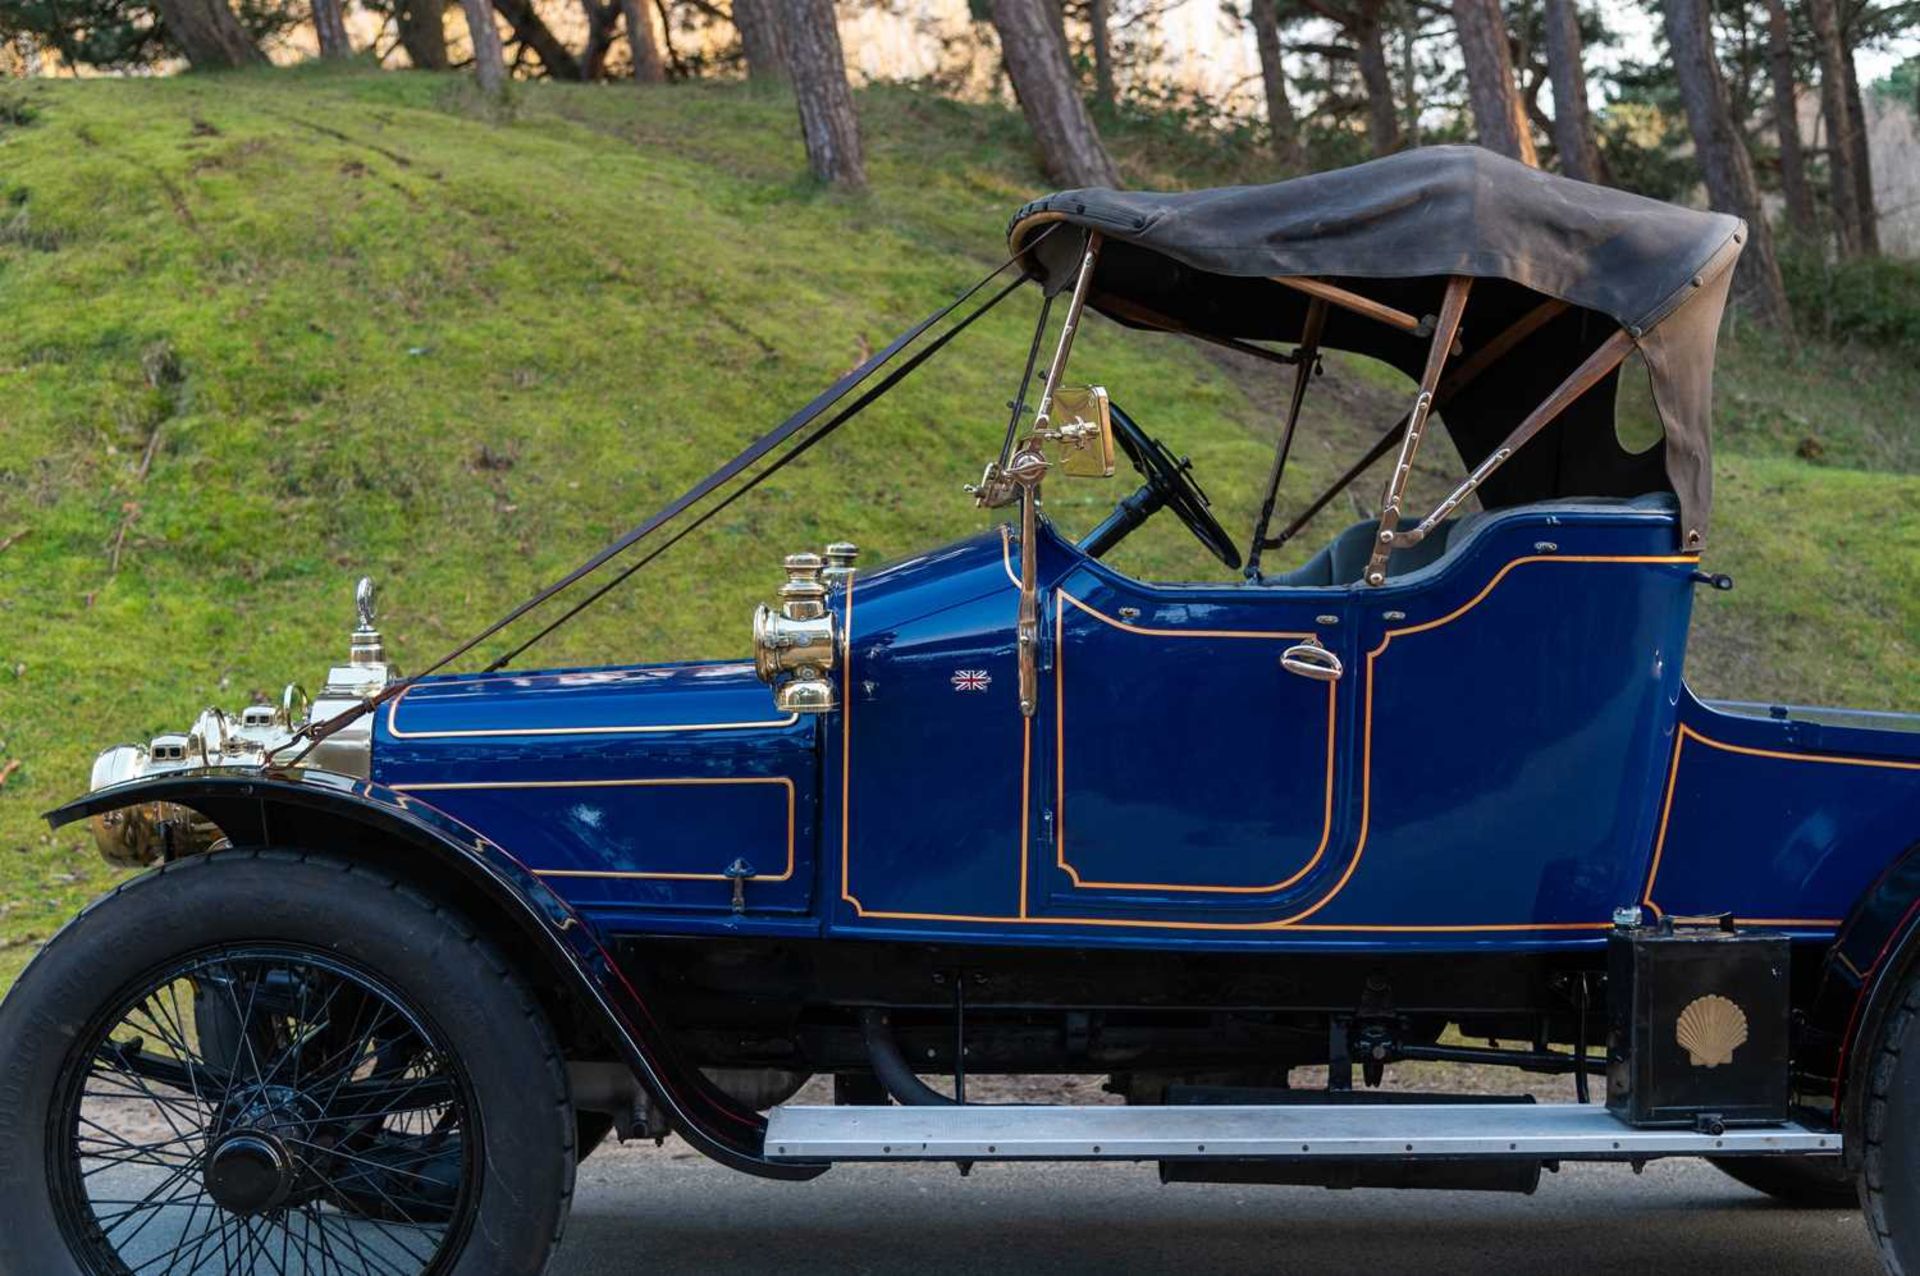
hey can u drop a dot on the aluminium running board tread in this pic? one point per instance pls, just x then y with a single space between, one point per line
1557 1131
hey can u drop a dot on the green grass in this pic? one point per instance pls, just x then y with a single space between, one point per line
265 332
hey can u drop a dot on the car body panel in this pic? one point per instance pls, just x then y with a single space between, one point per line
1494 796
1779 820
628 790
1510 757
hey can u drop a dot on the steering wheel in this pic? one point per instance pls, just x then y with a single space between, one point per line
1169 484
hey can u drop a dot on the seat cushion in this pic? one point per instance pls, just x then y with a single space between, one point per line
1344 561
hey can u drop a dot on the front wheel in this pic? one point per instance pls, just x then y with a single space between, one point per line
266 1062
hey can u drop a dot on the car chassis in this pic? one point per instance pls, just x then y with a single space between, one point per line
1441 784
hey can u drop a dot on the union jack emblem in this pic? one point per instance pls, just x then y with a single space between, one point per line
971 679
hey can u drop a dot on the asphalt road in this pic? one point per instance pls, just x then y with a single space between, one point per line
650 1212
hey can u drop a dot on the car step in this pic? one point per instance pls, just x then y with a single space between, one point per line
1552 1131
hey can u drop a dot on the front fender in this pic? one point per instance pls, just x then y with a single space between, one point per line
320 811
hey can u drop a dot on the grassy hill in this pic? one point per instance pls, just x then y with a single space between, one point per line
262 333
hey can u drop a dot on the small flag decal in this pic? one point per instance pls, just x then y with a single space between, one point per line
971 680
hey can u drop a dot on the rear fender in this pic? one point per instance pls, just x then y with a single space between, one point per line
319 811
1859 984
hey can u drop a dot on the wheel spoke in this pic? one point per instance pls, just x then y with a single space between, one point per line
315 1217
172 1257
243 1036
380 1166
262 1244
144 1091
120 1141
325 1138
353 1239
108 1163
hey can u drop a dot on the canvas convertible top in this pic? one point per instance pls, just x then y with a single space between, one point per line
1229 263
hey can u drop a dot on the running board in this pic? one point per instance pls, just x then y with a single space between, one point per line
1547 1132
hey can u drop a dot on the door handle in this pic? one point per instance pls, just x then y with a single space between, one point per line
1311 660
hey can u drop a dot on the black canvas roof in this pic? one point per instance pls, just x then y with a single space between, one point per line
1394 229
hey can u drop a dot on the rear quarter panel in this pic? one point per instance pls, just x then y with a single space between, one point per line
1782 817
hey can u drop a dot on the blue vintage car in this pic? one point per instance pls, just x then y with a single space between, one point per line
406 952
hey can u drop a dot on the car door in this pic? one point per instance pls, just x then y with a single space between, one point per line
1195 744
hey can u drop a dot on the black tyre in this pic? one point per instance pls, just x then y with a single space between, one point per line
1890 1170
1804 1182
271 1062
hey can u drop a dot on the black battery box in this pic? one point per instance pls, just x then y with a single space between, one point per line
1698 1025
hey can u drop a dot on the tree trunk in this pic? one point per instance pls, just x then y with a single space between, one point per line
1383 120
1738 62
330 25
532 31
1409 84
489 59
1102 36
1273 76
1572 121
647 66
208 34
1070 147
1497 114
423 33
1842 187
819 71
1863 202
1056 11
676 65
1786 122
1723 156
601 18
758 22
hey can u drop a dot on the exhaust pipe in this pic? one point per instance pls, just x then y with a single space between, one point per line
890 1066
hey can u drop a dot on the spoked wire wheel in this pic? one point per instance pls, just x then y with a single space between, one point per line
263 1109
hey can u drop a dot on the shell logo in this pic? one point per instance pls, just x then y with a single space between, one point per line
1710 1029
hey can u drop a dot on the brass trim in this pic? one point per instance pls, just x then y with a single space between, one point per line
1388 537
1006 554
648 782
1069 329
1686 733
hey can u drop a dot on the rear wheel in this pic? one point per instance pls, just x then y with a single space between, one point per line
1890 1170
266 1062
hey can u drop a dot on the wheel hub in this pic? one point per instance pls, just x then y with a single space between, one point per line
249 1172
293 1098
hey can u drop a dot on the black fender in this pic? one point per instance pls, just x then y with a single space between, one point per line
1875 950
321 811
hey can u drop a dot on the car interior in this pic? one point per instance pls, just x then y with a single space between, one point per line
1342 560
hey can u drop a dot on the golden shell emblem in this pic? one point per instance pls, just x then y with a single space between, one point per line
1711 1028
